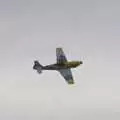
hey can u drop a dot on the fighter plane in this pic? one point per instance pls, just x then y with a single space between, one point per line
62 65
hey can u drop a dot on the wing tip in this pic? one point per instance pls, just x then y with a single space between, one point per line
71 82
59 47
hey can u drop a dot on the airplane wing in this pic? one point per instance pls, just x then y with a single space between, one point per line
67 74
61 58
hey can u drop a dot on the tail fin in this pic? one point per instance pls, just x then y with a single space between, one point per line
37 66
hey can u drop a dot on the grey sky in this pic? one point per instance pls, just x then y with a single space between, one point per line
88 30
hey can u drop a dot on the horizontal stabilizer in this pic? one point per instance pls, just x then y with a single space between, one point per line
37 66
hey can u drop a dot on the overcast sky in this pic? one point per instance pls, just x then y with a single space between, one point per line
88 30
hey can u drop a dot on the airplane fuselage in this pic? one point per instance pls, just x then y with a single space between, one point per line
65 65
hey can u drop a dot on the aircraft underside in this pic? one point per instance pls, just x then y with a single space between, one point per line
54 67
62 65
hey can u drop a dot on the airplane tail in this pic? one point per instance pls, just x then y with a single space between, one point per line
37 66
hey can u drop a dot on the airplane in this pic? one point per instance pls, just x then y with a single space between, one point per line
62 65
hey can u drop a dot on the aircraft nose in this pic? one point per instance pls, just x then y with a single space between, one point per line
81 62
